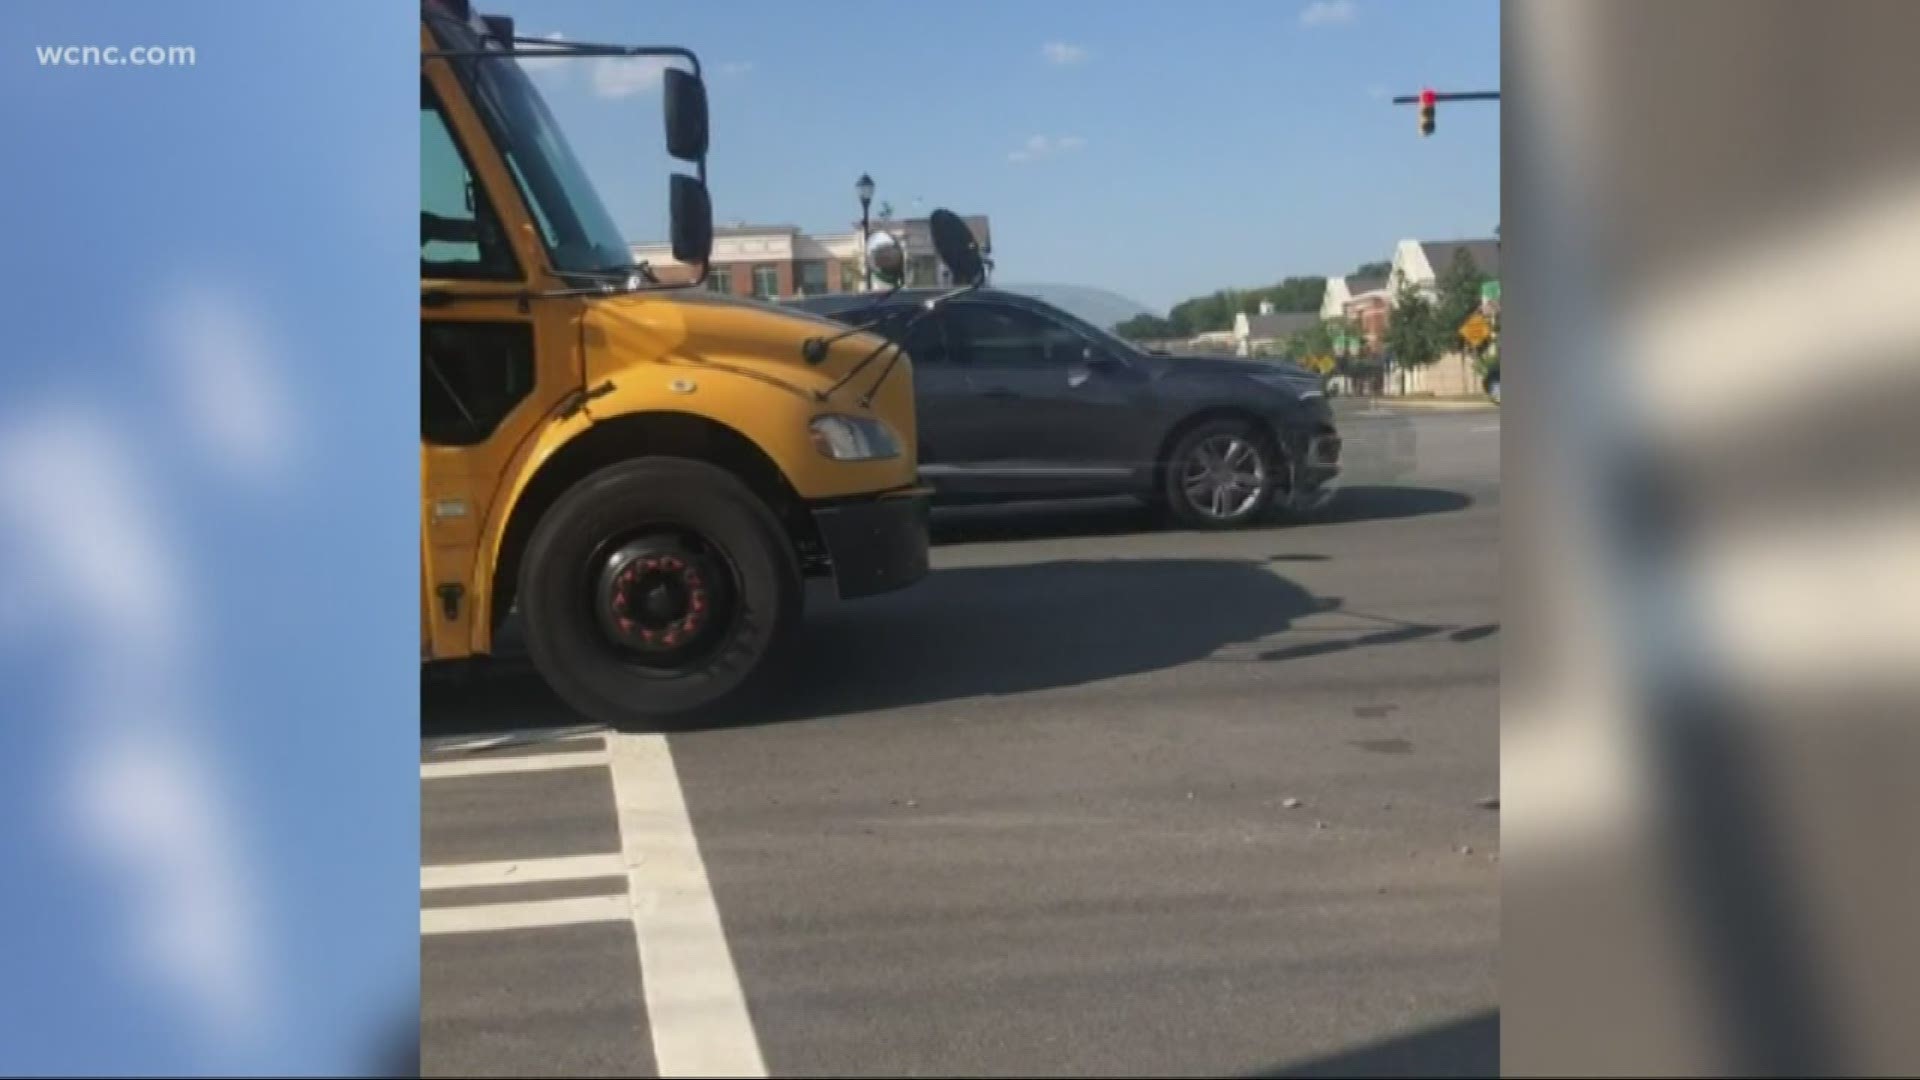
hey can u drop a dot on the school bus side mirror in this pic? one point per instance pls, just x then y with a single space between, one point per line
887 259
686 105
692 220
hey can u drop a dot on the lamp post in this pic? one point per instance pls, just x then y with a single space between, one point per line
864 188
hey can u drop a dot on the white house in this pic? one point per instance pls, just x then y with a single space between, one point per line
1420 263
1342 291
1270 329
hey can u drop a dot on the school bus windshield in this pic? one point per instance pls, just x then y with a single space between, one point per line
580 235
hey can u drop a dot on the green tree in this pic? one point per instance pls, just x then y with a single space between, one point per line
1459 294
1373 269
1292 294
1414 336
1216 310
1313 347
1147 326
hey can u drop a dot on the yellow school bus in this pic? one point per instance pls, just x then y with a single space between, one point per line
643 471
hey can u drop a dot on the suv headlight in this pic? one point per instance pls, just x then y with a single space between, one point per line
853 438
1302 386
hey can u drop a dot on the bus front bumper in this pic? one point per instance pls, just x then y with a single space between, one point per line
876 545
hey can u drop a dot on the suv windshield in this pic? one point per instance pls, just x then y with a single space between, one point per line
580 235
1113 342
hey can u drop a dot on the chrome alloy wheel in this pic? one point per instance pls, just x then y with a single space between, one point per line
1224 476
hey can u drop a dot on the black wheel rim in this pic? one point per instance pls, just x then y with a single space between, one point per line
1223 476
663 600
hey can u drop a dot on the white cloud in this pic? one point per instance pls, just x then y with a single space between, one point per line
146 802
736 67
142 778
1063 53
1329 13
1041 146
622 76
553 68
230 381
73 492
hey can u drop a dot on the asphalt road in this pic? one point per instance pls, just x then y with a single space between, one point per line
1030 816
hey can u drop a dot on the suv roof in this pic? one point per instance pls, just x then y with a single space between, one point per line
838 303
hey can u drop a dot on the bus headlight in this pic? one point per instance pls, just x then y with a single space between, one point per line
854 438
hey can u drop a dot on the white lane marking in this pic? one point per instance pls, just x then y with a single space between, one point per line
521 737
441 770
695 1007
521 871
525 915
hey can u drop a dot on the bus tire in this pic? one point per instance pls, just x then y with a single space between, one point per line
656 588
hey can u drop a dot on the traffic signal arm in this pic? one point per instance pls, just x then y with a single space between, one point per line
1468 95
1427 99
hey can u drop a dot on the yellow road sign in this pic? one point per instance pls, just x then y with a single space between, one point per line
1475 330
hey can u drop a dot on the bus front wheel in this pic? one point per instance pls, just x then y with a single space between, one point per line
656 588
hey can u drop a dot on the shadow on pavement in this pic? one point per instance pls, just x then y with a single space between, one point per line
1062 519
1036 626
1049 520
1467 1047
1381 502
962 633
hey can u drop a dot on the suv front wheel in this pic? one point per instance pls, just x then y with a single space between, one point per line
1221 475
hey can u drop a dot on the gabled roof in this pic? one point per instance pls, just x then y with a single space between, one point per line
1358 285
1484 253
1281 324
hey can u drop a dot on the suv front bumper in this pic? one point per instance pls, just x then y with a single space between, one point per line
875 545
1316 468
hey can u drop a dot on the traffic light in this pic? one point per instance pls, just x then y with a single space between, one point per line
1426 113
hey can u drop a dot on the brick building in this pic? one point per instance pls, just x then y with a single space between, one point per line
781 261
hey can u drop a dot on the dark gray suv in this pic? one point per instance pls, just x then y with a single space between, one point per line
1017 399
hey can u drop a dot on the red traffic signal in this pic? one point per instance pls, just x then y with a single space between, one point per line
1427 99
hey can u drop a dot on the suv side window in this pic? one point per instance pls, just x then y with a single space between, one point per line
925 342
1000 335
459 235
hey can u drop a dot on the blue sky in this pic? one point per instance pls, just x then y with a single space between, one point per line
209 542
1158 150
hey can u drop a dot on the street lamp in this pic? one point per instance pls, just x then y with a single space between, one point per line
864 188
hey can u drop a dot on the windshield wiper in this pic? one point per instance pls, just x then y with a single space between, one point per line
814 349
896 342
642 270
